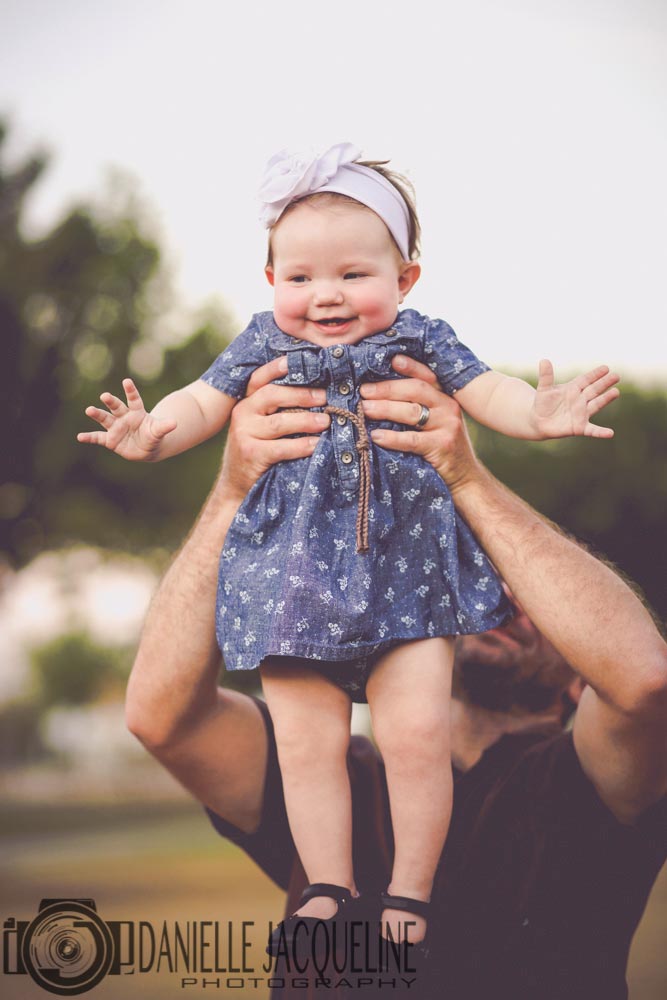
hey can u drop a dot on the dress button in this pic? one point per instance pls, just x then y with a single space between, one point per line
340 419
347 457
338 352
344 389
391 333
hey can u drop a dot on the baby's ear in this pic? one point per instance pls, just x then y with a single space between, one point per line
409 274
270 277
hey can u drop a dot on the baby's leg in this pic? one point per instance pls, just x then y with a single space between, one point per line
311 718
409 694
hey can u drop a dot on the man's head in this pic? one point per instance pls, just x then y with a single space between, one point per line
513 669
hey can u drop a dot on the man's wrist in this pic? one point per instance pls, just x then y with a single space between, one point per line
472 491
465 478
220 508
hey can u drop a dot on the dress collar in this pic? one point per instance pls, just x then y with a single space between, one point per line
405 325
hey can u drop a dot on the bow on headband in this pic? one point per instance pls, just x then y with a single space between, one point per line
290 176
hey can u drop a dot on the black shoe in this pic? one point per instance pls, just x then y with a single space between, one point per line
396 953
284 934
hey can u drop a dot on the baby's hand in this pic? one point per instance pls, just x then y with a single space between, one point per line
128 429
565 410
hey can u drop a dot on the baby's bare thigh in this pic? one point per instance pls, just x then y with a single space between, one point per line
413 673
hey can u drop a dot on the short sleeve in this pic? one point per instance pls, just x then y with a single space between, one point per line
453 362
231 370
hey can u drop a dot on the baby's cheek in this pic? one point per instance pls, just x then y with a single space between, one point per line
286 311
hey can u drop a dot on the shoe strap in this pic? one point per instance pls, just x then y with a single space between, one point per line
416 906
337 892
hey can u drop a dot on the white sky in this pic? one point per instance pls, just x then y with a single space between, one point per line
534 131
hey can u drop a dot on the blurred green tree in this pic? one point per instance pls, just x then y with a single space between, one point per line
78 312
72 669
611 494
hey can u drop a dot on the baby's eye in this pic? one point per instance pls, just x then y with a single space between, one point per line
354 274
298 279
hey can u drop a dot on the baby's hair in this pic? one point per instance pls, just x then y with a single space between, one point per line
402 185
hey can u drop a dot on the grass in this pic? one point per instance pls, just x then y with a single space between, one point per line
159 862
139 863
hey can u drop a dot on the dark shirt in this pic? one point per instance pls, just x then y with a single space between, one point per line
539 889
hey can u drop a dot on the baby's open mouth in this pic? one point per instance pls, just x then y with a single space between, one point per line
334 321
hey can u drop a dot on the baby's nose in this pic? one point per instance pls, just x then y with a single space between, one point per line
327 292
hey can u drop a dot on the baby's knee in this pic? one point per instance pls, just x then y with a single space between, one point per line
422 738
310 741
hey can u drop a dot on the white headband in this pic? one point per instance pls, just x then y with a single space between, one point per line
290 176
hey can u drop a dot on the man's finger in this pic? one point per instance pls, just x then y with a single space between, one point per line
287 449
413 369
276 425
413 441
410 390
271 397
398 413
267 373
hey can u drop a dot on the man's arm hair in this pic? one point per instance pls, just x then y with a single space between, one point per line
582 606
211 739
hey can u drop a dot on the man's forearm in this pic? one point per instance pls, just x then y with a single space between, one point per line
176 668
584 608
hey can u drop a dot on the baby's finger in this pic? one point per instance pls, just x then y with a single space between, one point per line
134 400
593 430
267 373
102 417
116 405
413 369
162 426
588 378
595 405
601 385
92 437
545 378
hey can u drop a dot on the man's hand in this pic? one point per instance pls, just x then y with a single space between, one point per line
443 441
257 429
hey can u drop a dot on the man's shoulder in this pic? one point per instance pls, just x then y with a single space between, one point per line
542 767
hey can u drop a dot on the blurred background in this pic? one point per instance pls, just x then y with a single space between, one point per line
132 137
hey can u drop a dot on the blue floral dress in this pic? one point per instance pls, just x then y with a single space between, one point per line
291 582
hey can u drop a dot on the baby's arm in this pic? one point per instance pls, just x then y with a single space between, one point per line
180 421
513 407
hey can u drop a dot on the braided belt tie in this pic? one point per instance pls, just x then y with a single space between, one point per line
363 447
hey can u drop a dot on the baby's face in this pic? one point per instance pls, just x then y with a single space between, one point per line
337 274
